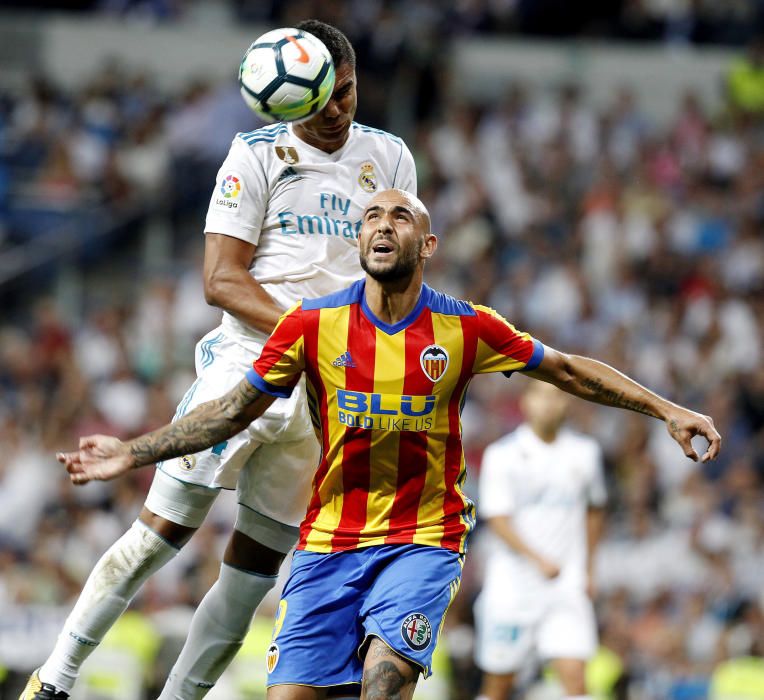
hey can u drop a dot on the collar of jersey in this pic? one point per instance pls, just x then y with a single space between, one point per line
412 316
329 156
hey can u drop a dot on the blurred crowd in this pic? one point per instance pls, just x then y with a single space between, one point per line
642 246
599 231
731 22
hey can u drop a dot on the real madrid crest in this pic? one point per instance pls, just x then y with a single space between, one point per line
188 462
368 178
288 154
434 362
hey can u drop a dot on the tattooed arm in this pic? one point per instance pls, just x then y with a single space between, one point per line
595 381
102 457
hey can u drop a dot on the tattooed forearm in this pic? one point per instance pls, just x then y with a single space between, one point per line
205 426
614 398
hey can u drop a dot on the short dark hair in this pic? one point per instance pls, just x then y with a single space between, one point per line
339 45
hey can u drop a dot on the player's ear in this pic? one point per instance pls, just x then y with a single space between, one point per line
430 245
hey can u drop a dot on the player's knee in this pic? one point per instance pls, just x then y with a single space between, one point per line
246 553
387 675
386 680
259 543
571 673
175 509
175 534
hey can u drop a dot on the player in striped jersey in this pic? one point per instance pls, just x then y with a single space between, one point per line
387 362
282 224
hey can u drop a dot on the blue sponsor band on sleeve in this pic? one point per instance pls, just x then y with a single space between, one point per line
282 392
536 356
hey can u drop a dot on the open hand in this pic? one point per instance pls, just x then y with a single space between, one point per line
683 425
100 457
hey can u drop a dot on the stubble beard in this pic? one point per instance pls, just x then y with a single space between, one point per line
403 268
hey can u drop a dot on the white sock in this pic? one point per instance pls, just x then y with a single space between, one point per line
115 579
217 631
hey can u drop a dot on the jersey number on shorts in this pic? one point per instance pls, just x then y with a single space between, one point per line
508 633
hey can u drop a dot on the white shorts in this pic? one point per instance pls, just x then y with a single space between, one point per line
271 463
558 625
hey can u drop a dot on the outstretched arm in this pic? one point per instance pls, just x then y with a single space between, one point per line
595 381
102 457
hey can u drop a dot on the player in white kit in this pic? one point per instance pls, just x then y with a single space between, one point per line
541 493
282 224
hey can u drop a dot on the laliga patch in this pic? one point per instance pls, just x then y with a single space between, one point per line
228 193
417 631
272 657
434 362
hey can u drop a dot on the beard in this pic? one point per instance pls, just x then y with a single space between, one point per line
402 268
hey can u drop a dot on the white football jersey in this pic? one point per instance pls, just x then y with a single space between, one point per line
302 208
545 488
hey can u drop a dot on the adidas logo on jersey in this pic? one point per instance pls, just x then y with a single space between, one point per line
289 174
344 360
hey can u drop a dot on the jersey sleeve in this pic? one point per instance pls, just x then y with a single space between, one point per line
495 495
405 171
239 198
501 347
596 492
278 369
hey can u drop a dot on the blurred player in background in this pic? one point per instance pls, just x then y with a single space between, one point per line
382 545
541 493
282 224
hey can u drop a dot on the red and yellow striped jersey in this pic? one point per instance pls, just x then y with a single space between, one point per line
385 402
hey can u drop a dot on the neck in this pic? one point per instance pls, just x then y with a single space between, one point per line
320 144
391 302
545 433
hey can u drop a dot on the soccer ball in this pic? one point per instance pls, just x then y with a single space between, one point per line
286 75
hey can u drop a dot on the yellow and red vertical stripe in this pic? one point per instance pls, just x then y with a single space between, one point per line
386 484
412 453
355 465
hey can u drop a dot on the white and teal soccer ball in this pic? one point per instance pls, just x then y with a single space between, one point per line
286 75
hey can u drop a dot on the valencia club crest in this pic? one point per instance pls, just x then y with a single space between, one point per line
434 361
